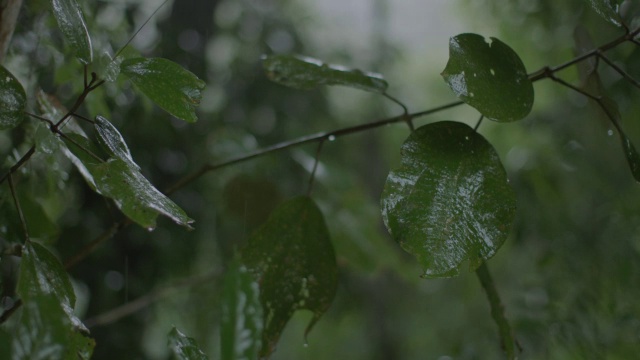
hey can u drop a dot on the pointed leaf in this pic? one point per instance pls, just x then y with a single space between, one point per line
166 83
134 195
42 273
608 9
13 100
489 76
306 73
184 347
45 332
110 138
78 148
241 327
294 261
450 200
71 22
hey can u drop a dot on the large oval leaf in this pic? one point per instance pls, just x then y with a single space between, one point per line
489 76
450 200
71 22
294 261
608 9
306 73
12 100
112 141
169 85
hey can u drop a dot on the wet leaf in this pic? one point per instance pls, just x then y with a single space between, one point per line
608 9
450 200
241 327
134 195
489 76
294 262
12 100
45 332
112 141
166 83
71 22
306 73
42 273
77 150
184 347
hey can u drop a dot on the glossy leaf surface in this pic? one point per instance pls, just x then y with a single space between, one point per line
608 9
71 22
184 347
489 76
42 273
166 83
294 261
112 141
307 73
48 328
241 327
12 100
450 200
134 195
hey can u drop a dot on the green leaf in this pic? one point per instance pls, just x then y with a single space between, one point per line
166 83
134 195
450 200
241 325
608 9
44 332
48 328
112 141
306 73
42 273
489 76
184 347
294 262
71 22
12 100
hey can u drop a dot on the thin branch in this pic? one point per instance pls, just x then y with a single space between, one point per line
41 118
145 301
7 313
478 123
16 201
88 249
408 119
83 118
509 342
82 147
19 164
620 71
139 29
315 167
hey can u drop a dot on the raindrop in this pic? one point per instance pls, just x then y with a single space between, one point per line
331 138
466 138
610 132
306 344
492 72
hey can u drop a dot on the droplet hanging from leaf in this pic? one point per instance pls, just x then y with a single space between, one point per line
489 76
450 200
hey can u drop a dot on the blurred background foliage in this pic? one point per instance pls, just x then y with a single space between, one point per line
568 276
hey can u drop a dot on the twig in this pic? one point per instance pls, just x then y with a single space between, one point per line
7 313
19 164
88 249
619 70
142 302
509 342
139 29
478 123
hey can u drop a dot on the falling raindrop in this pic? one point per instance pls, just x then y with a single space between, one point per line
331 138
610 132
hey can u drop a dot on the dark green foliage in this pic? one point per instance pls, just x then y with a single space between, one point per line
306 73
12 100
450 200
295 265
489 75
184 347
